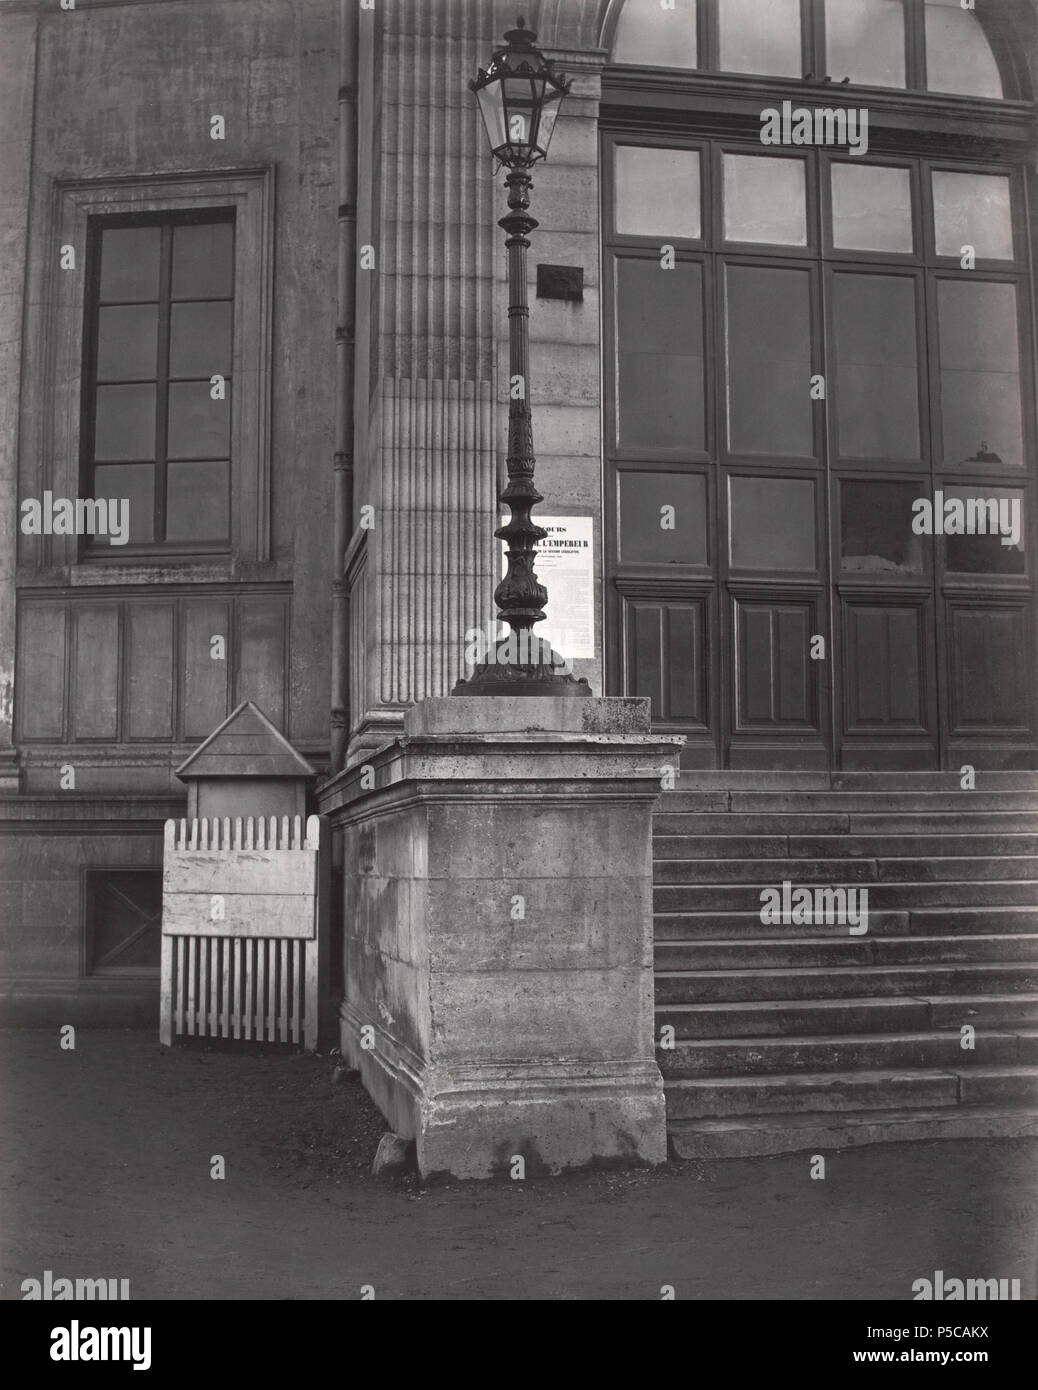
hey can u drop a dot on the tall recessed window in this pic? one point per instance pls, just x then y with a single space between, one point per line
865 41
651 34
761 38
156 430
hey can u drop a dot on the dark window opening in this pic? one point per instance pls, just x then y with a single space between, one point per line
123 921
158 350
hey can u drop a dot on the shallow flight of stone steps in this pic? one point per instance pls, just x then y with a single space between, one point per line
755 1135
842 982
861 1052
757 953
744 897
814 1017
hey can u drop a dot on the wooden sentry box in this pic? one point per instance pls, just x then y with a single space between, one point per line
244 929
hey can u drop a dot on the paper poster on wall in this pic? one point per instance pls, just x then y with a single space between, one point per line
566 567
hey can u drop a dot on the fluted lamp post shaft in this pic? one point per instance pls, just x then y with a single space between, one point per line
519 97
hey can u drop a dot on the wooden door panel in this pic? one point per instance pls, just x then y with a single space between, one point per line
776 685
887 666
989 657
665 650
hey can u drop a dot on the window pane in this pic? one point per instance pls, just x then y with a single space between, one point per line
973 210
646 532
136 484
761 38
995 516
876 378
660 341
757 543
197 502
765 200
203 261
657 192
200 339
872 208
769 361
876 528
980 372
130 264
125 423
958 56
127 343
865 41
649 34
199 427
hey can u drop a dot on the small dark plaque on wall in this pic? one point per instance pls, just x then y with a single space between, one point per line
561 282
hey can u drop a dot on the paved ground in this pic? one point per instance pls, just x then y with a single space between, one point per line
105 1172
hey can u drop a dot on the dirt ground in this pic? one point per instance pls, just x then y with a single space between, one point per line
106 1163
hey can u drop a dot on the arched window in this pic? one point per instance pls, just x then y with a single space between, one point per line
920 44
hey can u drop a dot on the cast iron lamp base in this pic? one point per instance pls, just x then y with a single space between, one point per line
545 673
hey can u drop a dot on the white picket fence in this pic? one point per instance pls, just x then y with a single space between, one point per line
241 938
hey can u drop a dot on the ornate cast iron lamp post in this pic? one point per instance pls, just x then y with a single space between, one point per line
519 97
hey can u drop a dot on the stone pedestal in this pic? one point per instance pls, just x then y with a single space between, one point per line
498 932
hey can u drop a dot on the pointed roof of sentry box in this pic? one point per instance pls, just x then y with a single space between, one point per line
246 744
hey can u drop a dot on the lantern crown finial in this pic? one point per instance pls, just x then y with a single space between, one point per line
520 36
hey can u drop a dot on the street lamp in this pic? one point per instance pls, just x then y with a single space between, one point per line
519 97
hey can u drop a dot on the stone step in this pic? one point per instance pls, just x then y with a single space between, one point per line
962 822
732 779
696 1098
815 1132
994 1010
771 847
753 953
833 1017
752 871
999 1086
721 926
744 897
935 869
718 925
864 1052
861 801
700 1098
843 982
943 921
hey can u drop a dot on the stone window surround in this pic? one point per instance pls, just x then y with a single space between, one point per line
53 446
